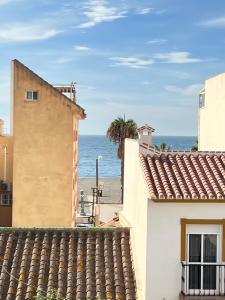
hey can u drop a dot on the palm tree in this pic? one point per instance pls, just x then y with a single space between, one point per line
195 146
118 131
163 147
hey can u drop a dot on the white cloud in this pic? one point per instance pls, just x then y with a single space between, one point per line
98 11
176 58
132 62
145 11
157 41
3 2
188 91
62 60
81 48
146 82
214 23
21 32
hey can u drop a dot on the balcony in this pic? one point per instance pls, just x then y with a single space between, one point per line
203 281
5 198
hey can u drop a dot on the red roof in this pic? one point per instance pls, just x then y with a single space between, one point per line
187 175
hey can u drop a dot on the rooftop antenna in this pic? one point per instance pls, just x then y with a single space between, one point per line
67 89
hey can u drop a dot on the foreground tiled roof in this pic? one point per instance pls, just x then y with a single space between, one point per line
188 175
79 264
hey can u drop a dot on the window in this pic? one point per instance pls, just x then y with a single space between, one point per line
31 96
201 100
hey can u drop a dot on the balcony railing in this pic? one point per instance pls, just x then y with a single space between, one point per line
5 198
203 279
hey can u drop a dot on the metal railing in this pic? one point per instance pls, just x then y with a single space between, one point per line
5 199
206 279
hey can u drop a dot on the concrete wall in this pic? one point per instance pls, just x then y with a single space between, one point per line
211 116
164 244
8 142
134 213
45 153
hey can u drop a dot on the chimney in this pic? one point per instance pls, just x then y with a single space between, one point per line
145 135
1 127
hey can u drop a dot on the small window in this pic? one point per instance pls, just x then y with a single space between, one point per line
31 95
202 100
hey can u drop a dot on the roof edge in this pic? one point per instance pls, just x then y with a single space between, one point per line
81 110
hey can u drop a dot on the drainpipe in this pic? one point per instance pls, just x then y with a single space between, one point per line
5 163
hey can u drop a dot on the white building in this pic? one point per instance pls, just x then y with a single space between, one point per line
211 114
174 203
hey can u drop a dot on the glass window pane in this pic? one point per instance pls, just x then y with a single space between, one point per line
194 277
210 248
29 95
195 248
35 95
209 277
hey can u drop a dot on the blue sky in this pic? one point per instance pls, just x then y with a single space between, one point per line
144 59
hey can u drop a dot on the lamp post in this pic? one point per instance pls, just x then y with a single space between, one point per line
97 207
97 177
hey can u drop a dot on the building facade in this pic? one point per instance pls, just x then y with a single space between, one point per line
6 175
174 203
211 114
45 132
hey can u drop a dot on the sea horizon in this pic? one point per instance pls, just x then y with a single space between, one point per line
92 146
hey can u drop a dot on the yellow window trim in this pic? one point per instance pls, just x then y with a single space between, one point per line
185 222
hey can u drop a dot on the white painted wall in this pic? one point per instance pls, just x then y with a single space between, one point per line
211 116
164 244
135 211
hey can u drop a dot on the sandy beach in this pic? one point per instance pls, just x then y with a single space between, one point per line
111 188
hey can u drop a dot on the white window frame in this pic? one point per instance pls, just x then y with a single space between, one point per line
204 230
32 96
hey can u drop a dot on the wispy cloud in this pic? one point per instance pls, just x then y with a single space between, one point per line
176 58
81 48
98 11
132 62
146 82
3 2
188 91
63 60
22 32
145 11
214 23
157 41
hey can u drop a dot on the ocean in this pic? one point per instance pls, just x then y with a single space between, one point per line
92 146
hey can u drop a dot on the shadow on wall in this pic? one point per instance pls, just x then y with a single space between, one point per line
5 216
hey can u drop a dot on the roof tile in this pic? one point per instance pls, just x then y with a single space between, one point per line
78 264
191 175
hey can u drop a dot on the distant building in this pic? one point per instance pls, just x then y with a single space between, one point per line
6 175
174 203
211 115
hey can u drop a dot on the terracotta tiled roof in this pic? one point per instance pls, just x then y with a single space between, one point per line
80 264
188 175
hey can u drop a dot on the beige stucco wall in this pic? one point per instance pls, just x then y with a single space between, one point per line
134 213
211 116
8 142
45 154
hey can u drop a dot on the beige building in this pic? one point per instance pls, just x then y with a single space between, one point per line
211 115
45 136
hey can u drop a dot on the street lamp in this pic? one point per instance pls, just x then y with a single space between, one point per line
97 191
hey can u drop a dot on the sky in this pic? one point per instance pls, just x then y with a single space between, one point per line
143 59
